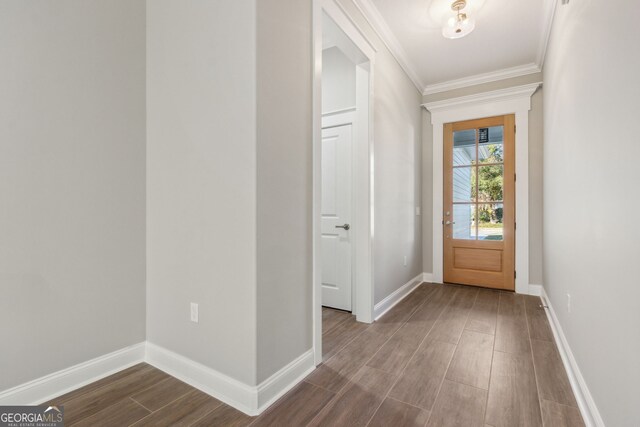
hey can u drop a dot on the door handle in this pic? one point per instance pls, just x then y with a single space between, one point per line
346 226
450 222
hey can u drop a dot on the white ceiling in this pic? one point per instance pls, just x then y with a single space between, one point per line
509 40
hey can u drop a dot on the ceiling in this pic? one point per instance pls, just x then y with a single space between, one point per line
509 40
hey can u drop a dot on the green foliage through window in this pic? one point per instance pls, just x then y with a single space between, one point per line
490 184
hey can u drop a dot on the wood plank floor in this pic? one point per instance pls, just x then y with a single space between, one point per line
444 356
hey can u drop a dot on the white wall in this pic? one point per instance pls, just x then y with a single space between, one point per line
228 175
72 183
338 81
284 177
427 192
591 232
536 201
201 179
229 182
397 178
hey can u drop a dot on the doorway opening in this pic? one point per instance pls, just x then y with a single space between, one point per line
479 202
342 182
517 101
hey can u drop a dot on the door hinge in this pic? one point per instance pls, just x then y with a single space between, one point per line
514 128
515 176
515 225
515 276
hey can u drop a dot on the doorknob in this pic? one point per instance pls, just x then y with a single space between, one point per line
346 226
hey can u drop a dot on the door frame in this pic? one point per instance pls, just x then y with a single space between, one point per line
515 100
362 216
506 245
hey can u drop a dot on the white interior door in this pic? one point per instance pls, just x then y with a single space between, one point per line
336 217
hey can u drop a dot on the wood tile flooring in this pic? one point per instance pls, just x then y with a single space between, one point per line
444 356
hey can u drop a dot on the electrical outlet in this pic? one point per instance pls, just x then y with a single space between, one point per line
194 312
405 260
569 303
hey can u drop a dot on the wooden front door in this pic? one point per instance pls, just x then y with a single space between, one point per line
479 202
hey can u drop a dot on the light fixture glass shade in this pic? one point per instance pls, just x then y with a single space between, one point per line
439 11
457 27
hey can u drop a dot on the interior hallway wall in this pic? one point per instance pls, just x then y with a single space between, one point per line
72 183
201 181
338 81
229 182
591 202
284 183
427 192
397 169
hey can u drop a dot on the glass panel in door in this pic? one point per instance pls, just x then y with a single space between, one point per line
478 183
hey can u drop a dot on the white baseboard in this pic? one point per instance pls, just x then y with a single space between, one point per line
398 295
224 388
587 405
284 380
535 290
252 400
49 386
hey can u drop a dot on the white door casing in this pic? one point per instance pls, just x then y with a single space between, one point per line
515 100
336 217
362 184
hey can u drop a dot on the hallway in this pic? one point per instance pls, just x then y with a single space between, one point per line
444 356
186 184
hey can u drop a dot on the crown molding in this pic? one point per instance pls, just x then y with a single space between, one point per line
548 13
384 32
493 76
381 28
507 94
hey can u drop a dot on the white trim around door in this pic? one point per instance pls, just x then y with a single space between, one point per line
515 100
363 170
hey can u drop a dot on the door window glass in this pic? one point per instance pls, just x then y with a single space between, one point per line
478 183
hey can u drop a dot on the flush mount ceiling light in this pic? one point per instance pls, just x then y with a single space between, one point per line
460 24
441 12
